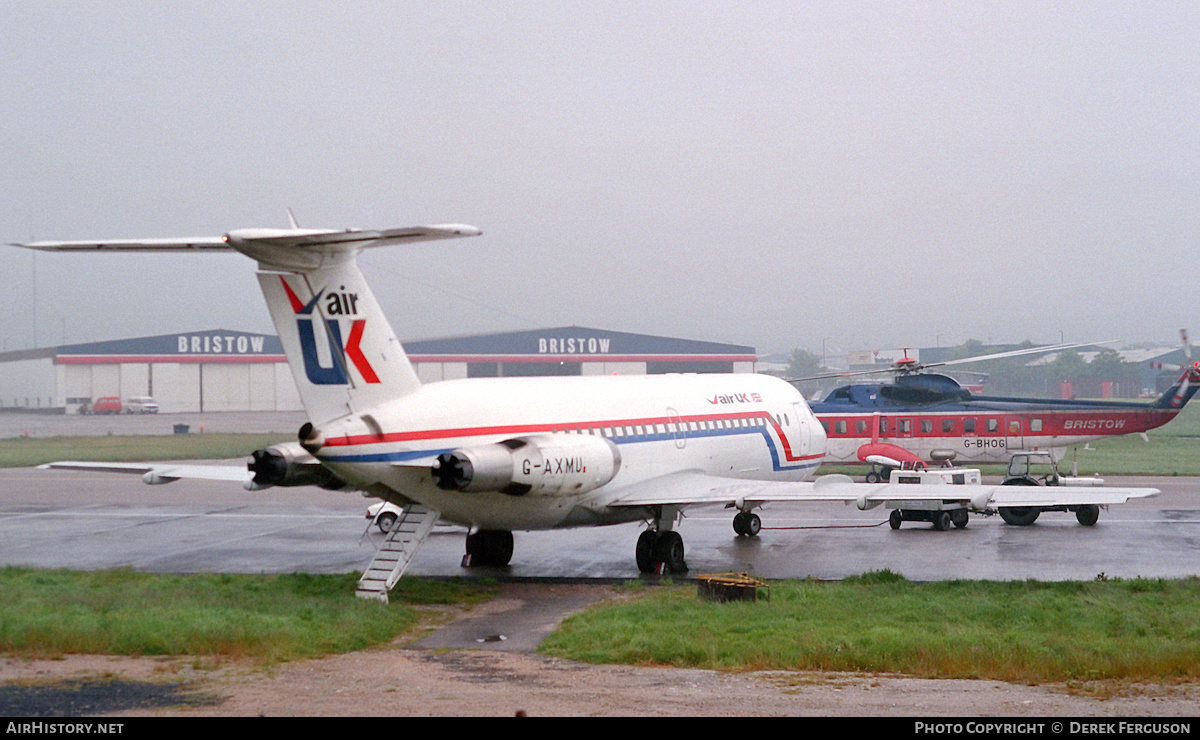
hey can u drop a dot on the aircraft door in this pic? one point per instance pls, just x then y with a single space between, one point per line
676 428
1015 439
799 434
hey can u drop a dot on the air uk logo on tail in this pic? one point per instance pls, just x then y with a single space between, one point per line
338 303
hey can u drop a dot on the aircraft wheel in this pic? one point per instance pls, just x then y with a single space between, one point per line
644 553
959 517
1087 514
386 521
747 524
941 520
1019 516
872 477
895 519
669 551
490 547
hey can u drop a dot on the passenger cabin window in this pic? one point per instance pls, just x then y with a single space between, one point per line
861 426
948 426
968 426
1035 425
926 426
839 426
883 425
992 425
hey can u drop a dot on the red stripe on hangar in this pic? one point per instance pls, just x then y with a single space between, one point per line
164 359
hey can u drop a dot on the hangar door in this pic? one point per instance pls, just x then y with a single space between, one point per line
238 387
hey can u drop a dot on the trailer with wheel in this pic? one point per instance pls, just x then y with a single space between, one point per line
953 511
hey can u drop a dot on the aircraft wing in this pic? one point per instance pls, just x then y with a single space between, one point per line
697 489
1064 496
157 473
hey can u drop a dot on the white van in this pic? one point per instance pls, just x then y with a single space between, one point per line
141 405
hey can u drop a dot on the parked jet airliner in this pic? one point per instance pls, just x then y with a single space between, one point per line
505 454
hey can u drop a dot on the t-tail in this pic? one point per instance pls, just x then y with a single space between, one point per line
341 349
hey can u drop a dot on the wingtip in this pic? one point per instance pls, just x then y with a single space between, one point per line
460 229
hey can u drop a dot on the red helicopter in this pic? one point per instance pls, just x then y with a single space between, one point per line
922 419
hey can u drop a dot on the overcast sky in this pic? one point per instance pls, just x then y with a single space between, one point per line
778 174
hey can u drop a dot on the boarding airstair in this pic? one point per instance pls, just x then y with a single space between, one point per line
396 552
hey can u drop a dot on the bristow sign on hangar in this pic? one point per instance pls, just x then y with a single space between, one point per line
573 343
215 345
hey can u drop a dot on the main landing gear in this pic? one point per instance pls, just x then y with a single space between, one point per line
486 547
882 474
660 548
660 552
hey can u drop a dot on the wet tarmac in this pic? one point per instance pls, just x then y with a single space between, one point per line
71 519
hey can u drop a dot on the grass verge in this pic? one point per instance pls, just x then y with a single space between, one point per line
1022 632
268 619
26 452
1139 630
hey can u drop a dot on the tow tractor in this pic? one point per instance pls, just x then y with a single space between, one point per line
1032 468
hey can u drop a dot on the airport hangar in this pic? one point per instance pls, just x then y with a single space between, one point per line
219 370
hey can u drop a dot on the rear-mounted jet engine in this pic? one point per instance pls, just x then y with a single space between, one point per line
542 465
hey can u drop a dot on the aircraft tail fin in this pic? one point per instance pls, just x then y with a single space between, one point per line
1177 396
1189 380
341 350
339 345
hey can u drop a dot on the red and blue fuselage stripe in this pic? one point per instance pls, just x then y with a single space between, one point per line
618 431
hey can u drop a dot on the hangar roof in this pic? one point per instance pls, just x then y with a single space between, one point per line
576 343
570 343
213 345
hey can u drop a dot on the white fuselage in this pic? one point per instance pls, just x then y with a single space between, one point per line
745 426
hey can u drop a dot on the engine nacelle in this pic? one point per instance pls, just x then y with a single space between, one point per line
542 465
289 465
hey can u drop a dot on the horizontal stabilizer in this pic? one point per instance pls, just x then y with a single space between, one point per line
337 239
182 244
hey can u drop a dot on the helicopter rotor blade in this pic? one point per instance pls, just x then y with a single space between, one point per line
913 367
1019 352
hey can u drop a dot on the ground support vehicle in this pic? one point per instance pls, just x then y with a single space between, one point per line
1028 468
952 512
